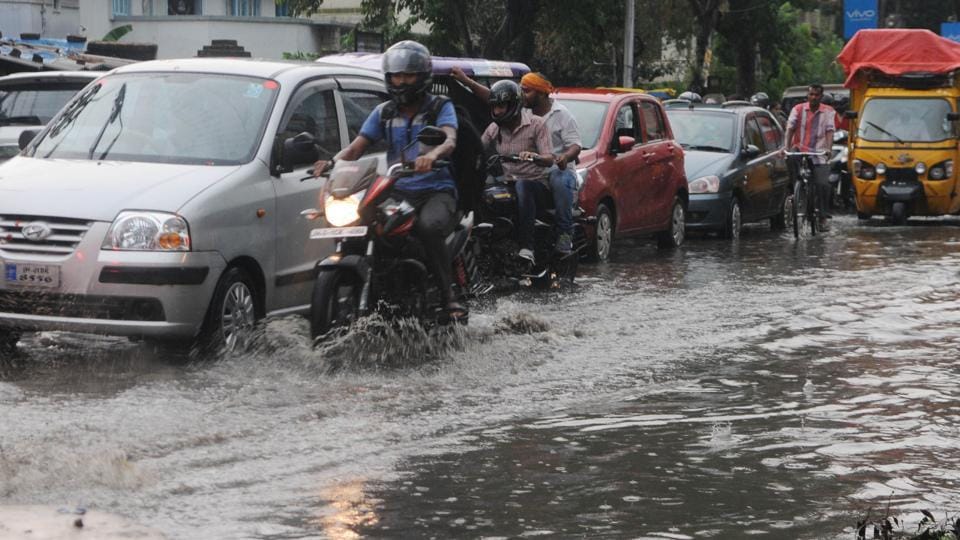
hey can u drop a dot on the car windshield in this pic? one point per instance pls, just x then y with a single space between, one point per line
188 118
702 130
906 120
589 116
34 104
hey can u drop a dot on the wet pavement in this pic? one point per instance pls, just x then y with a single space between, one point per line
763 387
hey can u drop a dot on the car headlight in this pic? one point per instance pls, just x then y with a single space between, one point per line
705 184
342 212
148 231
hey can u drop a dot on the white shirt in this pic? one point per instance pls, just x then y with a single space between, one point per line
563 128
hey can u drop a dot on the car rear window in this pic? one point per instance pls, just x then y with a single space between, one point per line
34 104
589 116
701 130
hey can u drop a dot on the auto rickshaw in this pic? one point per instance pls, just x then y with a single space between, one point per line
903 143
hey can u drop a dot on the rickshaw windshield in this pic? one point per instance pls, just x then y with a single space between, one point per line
906 120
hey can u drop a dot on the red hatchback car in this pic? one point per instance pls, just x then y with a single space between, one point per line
631 169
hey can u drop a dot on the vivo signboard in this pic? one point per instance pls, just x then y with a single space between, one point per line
857 15
950 30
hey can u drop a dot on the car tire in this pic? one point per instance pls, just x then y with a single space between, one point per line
335 301
602 243
8 342
778 221
734 223
232 315
676 231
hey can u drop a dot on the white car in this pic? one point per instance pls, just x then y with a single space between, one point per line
29 101
160 202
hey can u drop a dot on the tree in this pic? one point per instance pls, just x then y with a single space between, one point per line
707 14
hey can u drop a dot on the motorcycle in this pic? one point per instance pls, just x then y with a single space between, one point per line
378 264
497 242
841 187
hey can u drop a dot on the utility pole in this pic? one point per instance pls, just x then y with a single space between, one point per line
628 45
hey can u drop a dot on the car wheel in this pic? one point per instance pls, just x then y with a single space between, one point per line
232 315
734 222
602 243
778 221
676 232
8 342
335 301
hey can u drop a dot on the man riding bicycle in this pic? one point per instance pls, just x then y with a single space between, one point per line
408 71
810 128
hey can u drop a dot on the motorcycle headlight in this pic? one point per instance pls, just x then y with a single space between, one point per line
342 212
147 231
705 184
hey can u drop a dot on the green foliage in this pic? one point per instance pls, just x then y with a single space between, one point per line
117 33
300 55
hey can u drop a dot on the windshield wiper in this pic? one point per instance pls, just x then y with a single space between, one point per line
706 148
880 129
114 114
21 120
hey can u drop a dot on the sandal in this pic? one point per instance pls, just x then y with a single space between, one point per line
456 312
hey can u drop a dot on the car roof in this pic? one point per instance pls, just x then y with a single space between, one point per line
46 76
601 94
473 67
266 69
794 91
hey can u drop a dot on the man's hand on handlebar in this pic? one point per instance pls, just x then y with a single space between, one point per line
561 161
528 156
424 163
322 166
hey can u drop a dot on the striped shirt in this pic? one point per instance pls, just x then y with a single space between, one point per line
813 131
531 135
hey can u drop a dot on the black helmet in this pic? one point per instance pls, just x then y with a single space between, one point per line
691 96
506 93
408 57
760 99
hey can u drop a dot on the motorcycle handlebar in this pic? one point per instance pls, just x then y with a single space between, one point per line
822 153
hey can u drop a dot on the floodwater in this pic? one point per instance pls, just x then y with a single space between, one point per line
760 388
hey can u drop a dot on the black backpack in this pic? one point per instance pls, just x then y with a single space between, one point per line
467 165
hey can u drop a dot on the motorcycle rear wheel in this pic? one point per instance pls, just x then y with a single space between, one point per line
335 301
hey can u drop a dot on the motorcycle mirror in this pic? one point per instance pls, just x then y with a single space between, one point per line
953 117
851 115
431 136
300 149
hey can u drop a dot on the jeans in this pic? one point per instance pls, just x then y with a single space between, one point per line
533 194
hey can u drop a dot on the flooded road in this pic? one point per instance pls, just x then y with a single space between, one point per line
765 387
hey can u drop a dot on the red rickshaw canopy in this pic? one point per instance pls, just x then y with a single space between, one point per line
898 51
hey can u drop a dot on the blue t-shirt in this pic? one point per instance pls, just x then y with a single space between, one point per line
404 130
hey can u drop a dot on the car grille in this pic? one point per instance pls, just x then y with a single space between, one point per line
65 235
114 308
902 176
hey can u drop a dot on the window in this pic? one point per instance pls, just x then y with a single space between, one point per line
121 8
184 7
626 123
357 106
244 8
772 137
752 133
282 9
652 122
314 112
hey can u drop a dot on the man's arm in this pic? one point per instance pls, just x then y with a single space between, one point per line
570 134
544 154
478 89
425 162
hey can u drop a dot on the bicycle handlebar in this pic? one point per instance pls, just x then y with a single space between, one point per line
812 154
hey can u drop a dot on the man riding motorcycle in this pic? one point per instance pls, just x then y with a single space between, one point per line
517 131
408 70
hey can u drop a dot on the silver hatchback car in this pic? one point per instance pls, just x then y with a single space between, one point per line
159 202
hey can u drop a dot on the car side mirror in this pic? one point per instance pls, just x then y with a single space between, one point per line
26 136
750 151
953 117
431 136
298 150
850 115
623 144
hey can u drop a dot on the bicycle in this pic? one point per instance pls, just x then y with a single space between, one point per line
804 208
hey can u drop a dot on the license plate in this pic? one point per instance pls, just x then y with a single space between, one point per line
42 276
337 232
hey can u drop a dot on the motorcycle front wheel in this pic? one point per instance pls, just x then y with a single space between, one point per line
335 301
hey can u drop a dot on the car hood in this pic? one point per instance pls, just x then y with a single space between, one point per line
698 163
99 190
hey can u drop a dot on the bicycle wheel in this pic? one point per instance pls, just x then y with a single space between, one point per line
799 204
813 212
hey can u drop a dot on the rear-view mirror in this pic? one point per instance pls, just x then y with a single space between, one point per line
750 151
26 136
299 150
431 136
851 115
624 143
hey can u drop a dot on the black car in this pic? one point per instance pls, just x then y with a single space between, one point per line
735 172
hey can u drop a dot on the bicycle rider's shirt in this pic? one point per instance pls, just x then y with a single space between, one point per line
403 130
813 131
